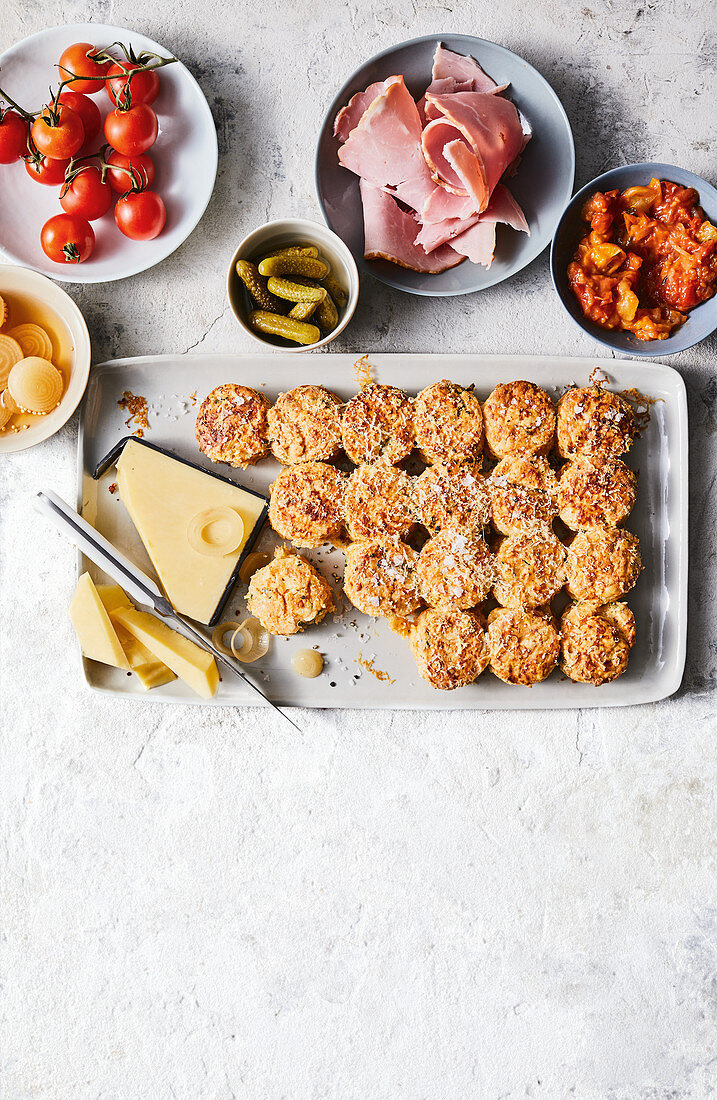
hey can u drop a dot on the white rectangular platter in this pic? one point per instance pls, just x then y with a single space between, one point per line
171 384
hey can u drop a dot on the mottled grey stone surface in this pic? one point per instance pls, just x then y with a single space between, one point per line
200 903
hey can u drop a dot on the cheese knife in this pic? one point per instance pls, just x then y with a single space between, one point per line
141 588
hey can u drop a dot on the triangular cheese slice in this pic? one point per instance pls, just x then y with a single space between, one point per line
112 596
149 670
163 496
93 627
153 674
189 661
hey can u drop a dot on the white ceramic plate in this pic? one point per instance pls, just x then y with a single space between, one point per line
659 600
67 326
185 157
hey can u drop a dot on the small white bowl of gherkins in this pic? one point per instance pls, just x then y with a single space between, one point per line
293 285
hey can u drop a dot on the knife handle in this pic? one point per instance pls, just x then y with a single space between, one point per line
95 546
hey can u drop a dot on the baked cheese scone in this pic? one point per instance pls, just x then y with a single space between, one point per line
449 423
530 569
380 577
593 421
449 647
306 503
377 425
455 570
524 644
288 594
304 425
595 492
603 563
378 500
523 493
231 425
519 418
450 495
596 641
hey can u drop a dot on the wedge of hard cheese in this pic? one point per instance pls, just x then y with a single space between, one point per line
149 670
188 661
153 674
93 626
169 502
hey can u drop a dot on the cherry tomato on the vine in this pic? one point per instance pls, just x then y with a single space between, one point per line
133 131
120 181
89 75
67 239
143 88
46 170
88 111
140 215
58 132
87 196
13 137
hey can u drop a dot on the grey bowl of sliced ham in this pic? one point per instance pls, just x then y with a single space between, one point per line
444 164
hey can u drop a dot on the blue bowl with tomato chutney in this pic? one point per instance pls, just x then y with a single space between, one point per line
701 321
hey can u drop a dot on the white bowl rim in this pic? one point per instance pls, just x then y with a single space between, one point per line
68 309
295 227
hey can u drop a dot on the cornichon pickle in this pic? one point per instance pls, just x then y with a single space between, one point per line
277 325
256 285
294 265
295 292
294 250
327 314
303 310
334 288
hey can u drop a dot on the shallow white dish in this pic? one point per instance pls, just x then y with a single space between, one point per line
659 600
30 286
184 154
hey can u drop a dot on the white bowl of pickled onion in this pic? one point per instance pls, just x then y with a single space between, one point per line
32 300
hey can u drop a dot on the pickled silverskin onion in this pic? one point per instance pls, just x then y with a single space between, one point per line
649 258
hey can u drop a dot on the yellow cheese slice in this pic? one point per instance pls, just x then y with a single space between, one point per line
93 627
188 661
136 653
149 670
163 496
153 674
112 596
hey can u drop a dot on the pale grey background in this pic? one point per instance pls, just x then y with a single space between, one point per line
204 905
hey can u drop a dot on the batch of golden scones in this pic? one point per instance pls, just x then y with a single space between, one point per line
464 557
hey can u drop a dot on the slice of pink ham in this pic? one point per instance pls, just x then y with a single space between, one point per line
385 147
491 126
448 65
467 168
349 116
389 234
436 137
502 208
442 204
445 86
452 72
477 243
433 235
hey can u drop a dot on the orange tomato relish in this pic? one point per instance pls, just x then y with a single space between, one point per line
649 258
